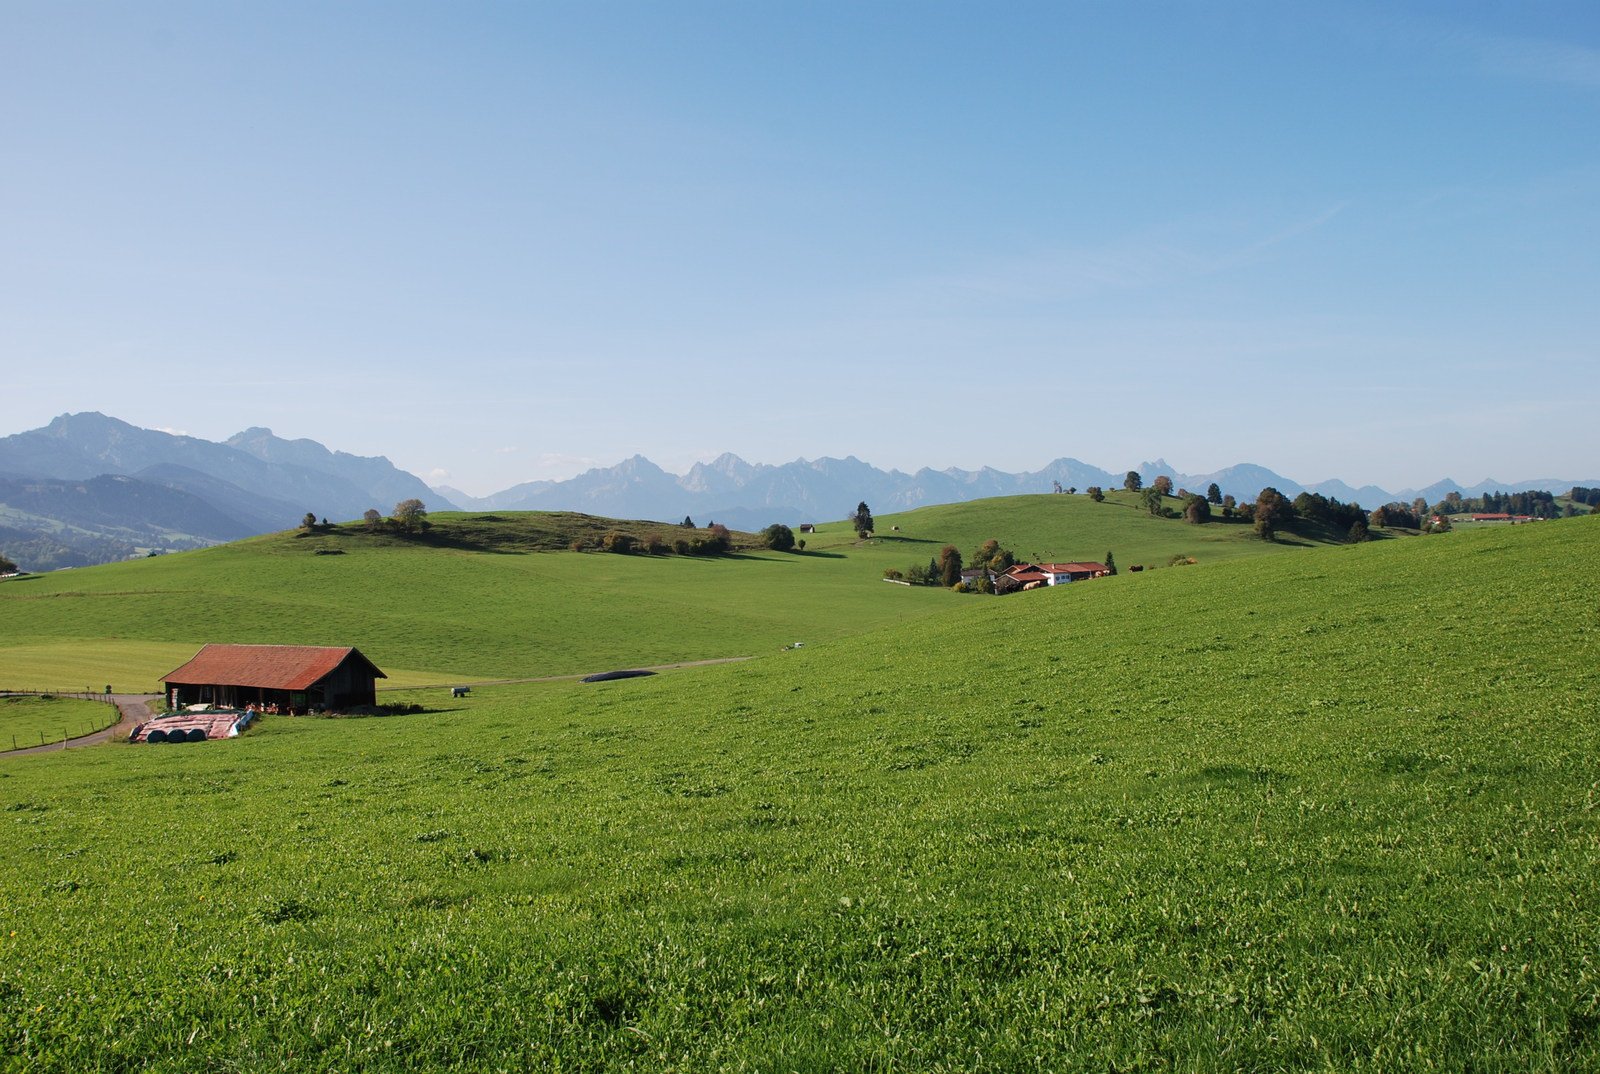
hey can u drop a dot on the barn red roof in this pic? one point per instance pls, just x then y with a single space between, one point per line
272 667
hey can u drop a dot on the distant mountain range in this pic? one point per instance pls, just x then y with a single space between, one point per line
88 488
749 496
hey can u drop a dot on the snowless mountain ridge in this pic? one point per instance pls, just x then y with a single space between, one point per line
180 491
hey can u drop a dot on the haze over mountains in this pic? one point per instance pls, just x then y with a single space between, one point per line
752 495
88 488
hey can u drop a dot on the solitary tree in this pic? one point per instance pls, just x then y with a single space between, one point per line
1152 499
1133 482
862 520
687 523
1111 564
949 565
408 514
779 538
1358 531
1214 494
1271 512
1095 493
309 522
371 517
1197 510
1163 485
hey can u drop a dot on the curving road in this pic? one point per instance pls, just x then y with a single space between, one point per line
135 709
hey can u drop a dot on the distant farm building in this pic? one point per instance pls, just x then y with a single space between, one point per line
1061 573
296 678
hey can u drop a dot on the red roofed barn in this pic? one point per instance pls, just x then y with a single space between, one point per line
296 677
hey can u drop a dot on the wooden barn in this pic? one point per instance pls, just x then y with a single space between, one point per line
296 678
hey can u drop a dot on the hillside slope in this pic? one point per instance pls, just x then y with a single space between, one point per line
1322 811
491 596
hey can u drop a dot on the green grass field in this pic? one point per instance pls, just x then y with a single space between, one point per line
1056 528
478 600
37 720
1335 810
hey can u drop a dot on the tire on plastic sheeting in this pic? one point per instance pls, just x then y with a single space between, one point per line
157 735
197 734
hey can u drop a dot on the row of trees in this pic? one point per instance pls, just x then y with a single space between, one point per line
945 568
1588 497
717 541
1536 504
409 516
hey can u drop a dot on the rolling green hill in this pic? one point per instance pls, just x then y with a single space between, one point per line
1329 810
480 596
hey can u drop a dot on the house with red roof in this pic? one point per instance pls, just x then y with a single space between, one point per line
297 678
1062 573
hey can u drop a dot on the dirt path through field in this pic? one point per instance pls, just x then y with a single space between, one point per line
135 710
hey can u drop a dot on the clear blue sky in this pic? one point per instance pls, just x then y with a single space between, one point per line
500 242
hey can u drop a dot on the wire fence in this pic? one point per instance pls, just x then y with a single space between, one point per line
67 731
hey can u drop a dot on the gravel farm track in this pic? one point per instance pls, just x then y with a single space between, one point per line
135 709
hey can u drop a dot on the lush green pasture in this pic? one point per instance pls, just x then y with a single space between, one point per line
1053 528
86 664
1328 811
452 613
27 720
471 601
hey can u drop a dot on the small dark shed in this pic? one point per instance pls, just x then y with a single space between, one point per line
294 677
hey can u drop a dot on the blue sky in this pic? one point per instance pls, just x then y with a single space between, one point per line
502 242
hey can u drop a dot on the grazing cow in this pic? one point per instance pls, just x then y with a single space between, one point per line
460 691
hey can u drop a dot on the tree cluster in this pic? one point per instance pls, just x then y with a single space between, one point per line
717 540
1329 512
1270 513
1394 514
1586 496
945 569
778 537
1534 504
991 556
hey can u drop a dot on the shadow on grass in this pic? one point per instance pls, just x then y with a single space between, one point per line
910 540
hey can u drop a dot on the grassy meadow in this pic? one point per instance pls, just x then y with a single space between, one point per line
27 720
488 597
1334 810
